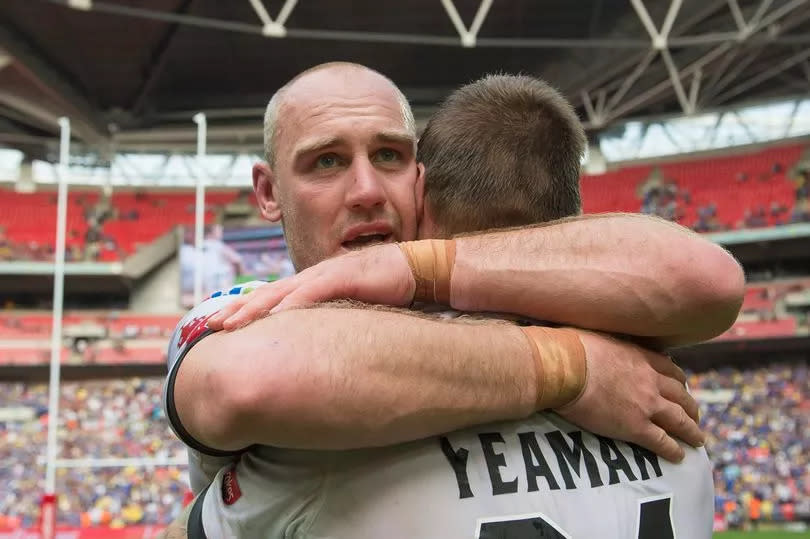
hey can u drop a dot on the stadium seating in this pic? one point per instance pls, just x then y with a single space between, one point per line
731 185
758 419
113 337
17 325
761 329
108 338
131 220
711 193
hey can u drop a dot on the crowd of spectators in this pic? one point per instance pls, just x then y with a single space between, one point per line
664 197
98 419
757 420
86 246
86 240
11 250
660 195
801 211
758 426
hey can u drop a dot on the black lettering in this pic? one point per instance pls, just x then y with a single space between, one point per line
531 527
615 463
494 462
643 456
654 520
458 460
532 453
570 456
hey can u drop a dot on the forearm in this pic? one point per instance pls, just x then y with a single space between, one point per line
330 378
626 274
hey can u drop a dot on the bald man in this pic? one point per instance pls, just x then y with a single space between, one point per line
339 379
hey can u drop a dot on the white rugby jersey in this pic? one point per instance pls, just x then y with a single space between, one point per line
540 477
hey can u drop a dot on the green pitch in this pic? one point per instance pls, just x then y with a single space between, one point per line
759 535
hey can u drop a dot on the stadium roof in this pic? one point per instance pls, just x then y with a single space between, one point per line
131 73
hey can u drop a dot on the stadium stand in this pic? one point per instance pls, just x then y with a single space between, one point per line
758 426
758 422
113 337
758 418
750 190
19 324
102 419
756 189
98 228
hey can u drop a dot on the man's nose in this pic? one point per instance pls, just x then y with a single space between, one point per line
366 190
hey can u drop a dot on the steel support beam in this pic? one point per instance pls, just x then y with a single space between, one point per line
789 125
469 35
372 37
662 86
718 83
600 76
719 70
56 84
745 126
39 114
738 16
157 62
593 118
763 76
735 72
675 78
755 20
5 59
806 70
760 25
705 39
631 79
694 90
270 27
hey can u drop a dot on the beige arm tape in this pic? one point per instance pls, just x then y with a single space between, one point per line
431 263
560 365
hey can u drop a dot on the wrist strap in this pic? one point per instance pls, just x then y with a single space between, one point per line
560 365
431 263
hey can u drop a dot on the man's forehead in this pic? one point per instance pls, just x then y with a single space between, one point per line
315 98
341 80
322 101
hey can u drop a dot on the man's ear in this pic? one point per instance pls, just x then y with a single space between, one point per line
419 191
265 189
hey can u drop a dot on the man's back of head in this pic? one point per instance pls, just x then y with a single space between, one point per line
502 151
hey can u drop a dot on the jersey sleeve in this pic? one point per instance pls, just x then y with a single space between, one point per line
191 329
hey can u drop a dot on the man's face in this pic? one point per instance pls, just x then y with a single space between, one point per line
345 169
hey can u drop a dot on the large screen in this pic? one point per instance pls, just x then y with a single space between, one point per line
232 255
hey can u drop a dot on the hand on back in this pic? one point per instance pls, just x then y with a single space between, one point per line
631 393
635 395
378 274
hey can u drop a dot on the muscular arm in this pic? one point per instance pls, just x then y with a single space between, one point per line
337 378
620 273
331 378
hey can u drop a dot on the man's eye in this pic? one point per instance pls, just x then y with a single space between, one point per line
387 155
328 160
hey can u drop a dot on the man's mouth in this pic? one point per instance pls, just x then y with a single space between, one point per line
366 240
